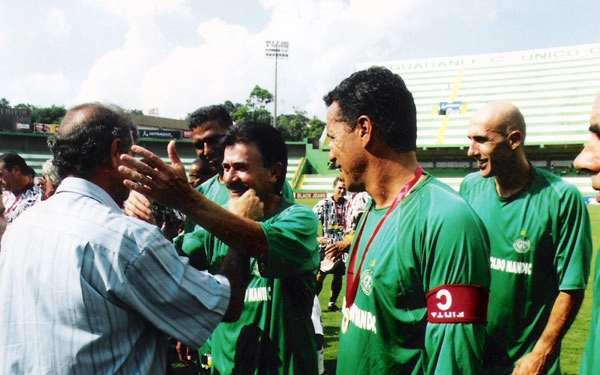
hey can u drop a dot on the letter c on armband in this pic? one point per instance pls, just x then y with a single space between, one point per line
457 303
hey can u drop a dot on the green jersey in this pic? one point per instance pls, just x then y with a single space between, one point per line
540 244
275 329
431 239
590 363
274 334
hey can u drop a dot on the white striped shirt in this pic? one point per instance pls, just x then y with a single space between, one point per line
85 289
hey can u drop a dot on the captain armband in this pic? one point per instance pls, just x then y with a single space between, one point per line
457 303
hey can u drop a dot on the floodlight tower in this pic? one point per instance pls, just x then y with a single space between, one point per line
279 50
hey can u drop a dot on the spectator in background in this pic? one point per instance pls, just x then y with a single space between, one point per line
589 161
331 212
358 204
108 288
418 274
200 171
17 178
208 125
2 219
39 182
51 179
274 334
541 245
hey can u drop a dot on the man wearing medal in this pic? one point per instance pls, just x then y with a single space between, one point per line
418 275
331 212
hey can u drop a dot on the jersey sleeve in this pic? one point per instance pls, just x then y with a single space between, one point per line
456 251
197 245
574 250
292 243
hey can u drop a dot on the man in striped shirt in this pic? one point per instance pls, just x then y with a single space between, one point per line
89 290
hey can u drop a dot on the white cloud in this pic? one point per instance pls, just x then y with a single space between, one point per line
137 9
158 57
39 89
56 83
116 76
219 70
56 23
326 39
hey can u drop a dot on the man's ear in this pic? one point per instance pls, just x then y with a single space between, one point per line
115 152
515 138
276 171
365 129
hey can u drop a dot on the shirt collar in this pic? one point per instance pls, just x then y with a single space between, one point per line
87 188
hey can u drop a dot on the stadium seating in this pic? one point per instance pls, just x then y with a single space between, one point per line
552 87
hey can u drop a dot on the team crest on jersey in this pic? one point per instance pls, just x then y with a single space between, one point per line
366 281
522 243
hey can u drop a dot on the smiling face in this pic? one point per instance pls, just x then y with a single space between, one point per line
339 191
9 178
588 159
346 150
206 138
243 169
489 143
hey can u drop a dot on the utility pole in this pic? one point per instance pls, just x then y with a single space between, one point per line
279 50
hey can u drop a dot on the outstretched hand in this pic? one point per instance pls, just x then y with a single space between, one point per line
166 184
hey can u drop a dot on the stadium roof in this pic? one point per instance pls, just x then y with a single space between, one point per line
554 89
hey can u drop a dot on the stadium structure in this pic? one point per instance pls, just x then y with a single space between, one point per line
554 89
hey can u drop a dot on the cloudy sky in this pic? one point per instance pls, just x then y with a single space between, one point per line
177 55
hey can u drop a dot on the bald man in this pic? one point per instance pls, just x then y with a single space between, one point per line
540 241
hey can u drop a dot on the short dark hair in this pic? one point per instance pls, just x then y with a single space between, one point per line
383 96
211 112
268 140
12 160
336 180
83 141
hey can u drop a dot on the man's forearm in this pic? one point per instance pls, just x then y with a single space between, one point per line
240 233
563 314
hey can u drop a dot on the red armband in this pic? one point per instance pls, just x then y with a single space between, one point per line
457 303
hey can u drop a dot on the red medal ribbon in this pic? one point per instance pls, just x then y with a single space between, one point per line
351 280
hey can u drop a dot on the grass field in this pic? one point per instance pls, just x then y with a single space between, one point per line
573 343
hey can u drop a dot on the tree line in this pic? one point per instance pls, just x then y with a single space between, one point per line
294 127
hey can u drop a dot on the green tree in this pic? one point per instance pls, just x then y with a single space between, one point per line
231 107
136 112
27 107
255 108
48 115
293 126
315 127
4 103
284 125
